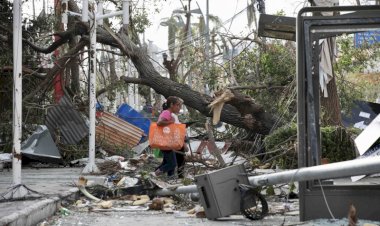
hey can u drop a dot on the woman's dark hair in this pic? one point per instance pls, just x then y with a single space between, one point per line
171 101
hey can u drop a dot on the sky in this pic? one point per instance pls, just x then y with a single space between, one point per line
224 9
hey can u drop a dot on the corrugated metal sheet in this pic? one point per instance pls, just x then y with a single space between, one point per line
64 120
115 131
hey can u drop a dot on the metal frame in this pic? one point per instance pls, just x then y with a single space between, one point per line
309 30
279 27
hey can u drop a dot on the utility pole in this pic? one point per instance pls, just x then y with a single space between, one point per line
207 48
17 101
96 16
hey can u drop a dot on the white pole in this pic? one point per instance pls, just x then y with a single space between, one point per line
131 88
17 98
207 54
85 11
125 12
91 166
99 12
136 93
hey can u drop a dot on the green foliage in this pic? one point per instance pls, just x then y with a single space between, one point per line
283 135
272 65
140 21
337 145
349 67
270 190
6 21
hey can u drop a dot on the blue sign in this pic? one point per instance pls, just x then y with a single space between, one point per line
369 38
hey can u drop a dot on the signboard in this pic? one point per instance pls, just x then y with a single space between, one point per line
369 37
361 115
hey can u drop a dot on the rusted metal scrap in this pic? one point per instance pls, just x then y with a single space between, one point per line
117 132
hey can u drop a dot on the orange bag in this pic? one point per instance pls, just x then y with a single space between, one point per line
171 137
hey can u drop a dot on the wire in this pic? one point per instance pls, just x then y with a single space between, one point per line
203 35
324 197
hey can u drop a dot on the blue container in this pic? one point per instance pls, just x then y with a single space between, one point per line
130 115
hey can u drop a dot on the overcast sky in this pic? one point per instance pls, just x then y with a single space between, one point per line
224 9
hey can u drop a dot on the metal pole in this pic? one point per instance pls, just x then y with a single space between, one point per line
125 12
91 166
207 54
85 11
17 92
328 171
17 98
99 14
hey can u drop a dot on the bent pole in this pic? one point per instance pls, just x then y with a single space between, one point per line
329 171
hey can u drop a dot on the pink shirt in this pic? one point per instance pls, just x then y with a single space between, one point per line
165 115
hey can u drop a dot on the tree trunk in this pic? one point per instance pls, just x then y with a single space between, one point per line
258 121
330 106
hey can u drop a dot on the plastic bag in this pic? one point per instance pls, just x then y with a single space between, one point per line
170 137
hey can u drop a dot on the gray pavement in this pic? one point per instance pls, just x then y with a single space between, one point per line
52 184
58 184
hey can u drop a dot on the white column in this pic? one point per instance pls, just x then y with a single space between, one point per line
125 12
136 92
17 98
131 96
85 11
91 166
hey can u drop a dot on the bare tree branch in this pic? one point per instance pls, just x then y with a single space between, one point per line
26 71
256 87
58 66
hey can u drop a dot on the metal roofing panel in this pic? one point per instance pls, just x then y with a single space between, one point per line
65 121
115 131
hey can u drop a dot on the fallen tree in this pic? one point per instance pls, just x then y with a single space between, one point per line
240 110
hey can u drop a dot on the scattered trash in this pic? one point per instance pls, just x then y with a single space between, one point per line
66 123
199 212
5 159
40 146
105 204
82 187
157 204
126 209
115 131
138 149
115 158
126 165
141 200
127 182
168 210
64 211
130 115
83 161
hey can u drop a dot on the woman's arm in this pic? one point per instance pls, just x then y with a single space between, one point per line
163 122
